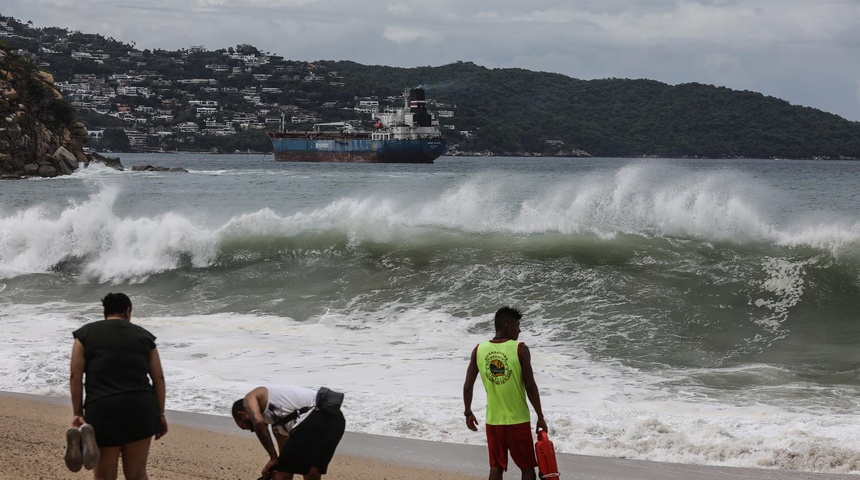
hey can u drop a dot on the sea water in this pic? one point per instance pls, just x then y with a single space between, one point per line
695 311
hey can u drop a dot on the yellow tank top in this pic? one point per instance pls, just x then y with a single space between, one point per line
502 376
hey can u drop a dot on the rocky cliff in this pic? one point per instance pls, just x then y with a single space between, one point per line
38 131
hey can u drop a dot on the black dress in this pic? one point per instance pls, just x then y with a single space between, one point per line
120 401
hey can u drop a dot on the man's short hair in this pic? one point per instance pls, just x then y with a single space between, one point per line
116 303
238 406
505 315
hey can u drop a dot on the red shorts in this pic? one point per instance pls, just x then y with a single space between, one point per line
514 438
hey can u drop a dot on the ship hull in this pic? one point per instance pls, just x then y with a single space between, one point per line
295 148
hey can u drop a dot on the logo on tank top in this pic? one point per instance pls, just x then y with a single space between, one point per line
497 370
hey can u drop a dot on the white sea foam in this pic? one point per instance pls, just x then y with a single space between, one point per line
115 249
840 238
786 286
96 170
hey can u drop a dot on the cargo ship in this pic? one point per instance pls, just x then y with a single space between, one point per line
409 134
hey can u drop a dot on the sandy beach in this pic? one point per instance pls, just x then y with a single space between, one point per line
210 447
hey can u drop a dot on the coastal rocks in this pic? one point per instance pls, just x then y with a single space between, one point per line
47 171
66 160
39 135
572 152
111 162
150 168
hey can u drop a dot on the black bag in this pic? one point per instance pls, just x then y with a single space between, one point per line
328 400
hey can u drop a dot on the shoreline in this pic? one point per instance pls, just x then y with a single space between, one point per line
207 446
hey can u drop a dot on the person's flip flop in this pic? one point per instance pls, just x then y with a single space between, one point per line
74 458
90 448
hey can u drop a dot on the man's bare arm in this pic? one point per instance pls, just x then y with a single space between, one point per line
530 384
468 390
76 383
253 408
156 373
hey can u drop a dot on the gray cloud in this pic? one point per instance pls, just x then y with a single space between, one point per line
802 51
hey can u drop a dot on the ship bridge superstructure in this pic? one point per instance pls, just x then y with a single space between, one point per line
410 122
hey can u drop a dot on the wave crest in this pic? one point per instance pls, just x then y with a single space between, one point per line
624 209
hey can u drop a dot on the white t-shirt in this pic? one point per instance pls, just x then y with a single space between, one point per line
286 399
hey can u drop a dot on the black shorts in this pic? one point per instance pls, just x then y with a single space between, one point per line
124 418
312 443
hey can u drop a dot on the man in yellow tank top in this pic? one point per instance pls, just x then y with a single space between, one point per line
505 367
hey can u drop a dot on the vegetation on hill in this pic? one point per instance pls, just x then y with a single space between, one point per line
518 110
496 111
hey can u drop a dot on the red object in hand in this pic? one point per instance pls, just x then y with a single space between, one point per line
547 465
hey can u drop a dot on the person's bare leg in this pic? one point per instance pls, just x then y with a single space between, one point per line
282 476
281 440
106 468
134 456
496 473
529 474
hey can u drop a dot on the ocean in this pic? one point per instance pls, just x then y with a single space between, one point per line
693 311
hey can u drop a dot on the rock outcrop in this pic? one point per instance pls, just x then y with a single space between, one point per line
150 168
39 135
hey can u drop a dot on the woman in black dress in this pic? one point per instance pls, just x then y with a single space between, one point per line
124 389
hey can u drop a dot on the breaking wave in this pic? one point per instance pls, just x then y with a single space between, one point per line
633 210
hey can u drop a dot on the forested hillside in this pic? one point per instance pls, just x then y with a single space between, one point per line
518 110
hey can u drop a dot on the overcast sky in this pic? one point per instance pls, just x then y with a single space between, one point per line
804 51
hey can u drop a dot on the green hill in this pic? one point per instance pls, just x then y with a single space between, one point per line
515 110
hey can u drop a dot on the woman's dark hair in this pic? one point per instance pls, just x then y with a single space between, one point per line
116 303
505 315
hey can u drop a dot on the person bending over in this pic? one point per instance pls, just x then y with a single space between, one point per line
307 435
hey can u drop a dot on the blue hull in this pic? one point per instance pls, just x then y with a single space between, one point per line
309 149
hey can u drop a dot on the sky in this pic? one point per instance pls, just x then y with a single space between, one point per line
806 52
